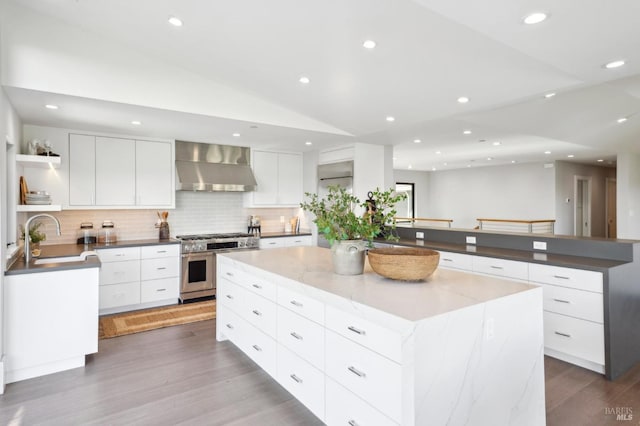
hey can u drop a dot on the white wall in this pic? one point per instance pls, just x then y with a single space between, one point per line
520 191
565 184
420 180
628 196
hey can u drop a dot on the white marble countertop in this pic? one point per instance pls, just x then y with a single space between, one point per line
443 292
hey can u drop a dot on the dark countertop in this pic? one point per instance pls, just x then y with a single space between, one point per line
64 250
283 234
578 262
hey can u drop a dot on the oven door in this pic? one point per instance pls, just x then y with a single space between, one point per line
198 275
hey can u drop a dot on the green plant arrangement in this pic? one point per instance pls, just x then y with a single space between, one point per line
337 217
34 234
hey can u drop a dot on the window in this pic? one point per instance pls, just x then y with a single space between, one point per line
405 208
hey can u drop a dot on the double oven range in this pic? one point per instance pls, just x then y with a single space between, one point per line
199 260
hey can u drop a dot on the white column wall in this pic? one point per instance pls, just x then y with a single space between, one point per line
628 196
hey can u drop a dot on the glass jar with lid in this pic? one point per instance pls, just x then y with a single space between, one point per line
86 234
108 233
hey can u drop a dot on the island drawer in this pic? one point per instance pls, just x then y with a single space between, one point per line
302 380
501 267
119 272
302 336
566 277
231 326
456 261
151 269
118 254
373 336
259 347
372 377
165 250
263 287
230 295
115 295
345 408
576 303
260 312
579 338
154 290
302 305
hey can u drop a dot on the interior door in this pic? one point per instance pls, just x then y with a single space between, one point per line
582 209
611 211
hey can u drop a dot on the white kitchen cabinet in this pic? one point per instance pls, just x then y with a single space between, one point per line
275 242
51 321
456 261
269 243
511 269
139 277
279 178
107 172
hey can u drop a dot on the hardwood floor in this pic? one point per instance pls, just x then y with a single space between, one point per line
181 375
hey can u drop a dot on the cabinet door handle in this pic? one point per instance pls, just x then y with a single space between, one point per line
561 301
229 326
257 348
229 274
356 372
357 330
161 289
296 378
352 423
257 286
229 296
161 251
257 312
119 254
560 277
161 268
447 260
296 335
496 267
562 334
296 303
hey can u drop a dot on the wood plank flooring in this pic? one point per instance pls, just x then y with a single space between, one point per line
181 376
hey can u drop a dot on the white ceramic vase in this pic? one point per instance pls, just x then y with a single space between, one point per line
348 257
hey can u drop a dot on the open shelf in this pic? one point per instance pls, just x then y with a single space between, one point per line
38 208
38 161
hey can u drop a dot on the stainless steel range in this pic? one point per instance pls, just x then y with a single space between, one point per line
199 260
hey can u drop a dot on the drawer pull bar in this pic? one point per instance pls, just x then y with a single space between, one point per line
229 326
161 268
229 274
357 330
257 348
446 260
561 301
356 372
296 378
229 296
161 289
257 312
296 303
257 286
496 267
352 423
560 277
161 251
296 335
562 334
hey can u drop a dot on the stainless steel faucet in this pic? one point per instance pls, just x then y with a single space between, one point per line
27 237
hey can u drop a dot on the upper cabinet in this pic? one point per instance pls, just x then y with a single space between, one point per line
279 178
107 172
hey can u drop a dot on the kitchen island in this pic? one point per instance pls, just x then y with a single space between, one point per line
457 348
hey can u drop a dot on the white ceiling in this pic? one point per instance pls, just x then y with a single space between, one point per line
428 54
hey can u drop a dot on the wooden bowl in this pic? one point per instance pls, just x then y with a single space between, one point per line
404 263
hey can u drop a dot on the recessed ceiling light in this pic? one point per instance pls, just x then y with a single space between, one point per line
614 64
433 169
417 141
622 120
438 152
390 118
489 158
550 95
136 122
308 143
176 22
513 161
570 156
463 99
600 160
547 152
467 132
304 80
444 164
496 143
535 18
51 106
369 44
236 135
468 165
409 167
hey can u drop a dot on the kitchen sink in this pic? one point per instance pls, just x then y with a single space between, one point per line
64 259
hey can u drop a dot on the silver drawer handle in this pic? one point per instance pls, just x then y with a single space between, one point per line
229 296
257 286
257 312
161 289
296 303
562 334
447 260
257 348
560 277
496 267
296 335
229 274
119 255
161 251
357 330
356 372
561 301
352 423
296 378
229 326
161 268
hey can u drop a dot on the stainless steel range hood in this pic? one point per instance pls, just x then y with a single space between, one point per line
209 167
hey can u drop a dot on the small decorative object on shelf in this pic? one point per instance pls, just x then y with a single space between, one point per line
163 226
